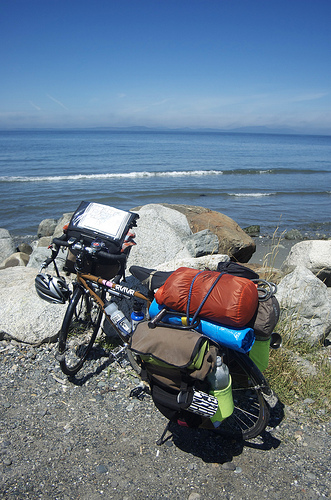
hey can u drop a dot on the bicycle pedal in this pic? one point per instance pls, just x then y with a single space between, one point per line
271 398
139 392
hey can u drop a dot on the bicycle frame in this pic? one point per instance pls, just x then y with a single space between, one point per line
108 285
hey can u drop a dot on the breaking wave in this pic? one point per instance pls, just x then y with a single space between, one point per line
154 174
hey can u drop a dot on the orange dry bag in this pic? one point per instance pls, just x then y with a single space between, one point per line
224 298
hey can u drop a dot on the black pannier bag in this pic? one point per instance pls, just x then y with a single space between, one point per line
107 225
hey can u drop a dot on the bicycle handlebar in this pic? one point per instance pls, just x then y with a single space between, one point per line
100 253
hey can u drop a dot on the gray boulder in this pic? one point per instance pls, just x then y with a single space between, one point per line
65 219
315 255
202 243
40 254
25 248
305 306
16 259
44 241
161 234
233 241
293 234
201 263
46 227
23 315
7 246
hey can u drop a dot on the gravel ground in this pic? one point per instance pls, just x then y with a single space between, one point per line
87 439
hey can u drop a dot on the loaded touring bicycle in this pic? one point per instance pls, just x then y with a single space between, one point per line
199 340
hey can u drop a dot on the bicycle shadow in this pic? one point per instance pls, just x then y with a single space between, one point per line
88 371
212 447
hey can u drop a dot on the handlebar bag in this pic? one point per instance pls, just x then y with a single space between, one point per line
94 221
224 298
102 267
107 225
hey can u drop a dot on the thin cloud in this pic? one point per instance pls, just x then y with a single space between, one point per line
159 103
310 97
35 106
57 101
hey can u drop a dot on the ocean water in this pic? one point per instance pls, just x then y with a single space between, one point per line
275 181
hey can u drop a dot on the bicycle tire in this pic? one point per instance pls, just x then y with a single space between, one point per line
79 329
251 412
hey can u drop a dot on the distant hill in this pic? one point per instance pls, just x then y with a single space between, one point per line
238 130
264 130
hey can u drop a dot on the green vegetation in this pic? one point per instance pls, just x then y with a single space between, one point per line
299 372
106 342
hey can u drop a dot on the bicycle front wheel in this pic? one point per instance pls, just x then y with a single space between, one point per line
79 329
251 412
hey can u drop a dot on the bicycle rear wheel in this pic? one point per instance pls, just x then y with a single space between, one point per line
251 412
134 361
79 329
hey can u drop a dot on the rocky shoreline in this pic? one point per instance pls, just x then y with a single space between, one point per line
168 237
265 244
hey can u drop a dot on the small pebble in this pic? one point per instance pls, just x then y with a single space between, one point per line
308 401
229 466
101 469
194 496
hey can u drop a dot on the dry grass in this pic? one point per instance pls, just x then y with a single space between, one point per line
298 371
269 259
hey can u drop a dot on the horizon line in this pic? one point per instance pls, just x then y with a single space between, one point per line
249 129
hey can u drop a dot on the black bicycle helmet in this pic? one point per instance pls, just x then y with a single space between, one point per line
52 288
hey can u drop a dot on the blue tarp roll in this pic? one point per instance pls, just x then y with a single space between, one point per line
239 339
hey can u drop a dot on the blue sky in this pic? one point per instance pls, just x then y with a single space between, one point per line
181 63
